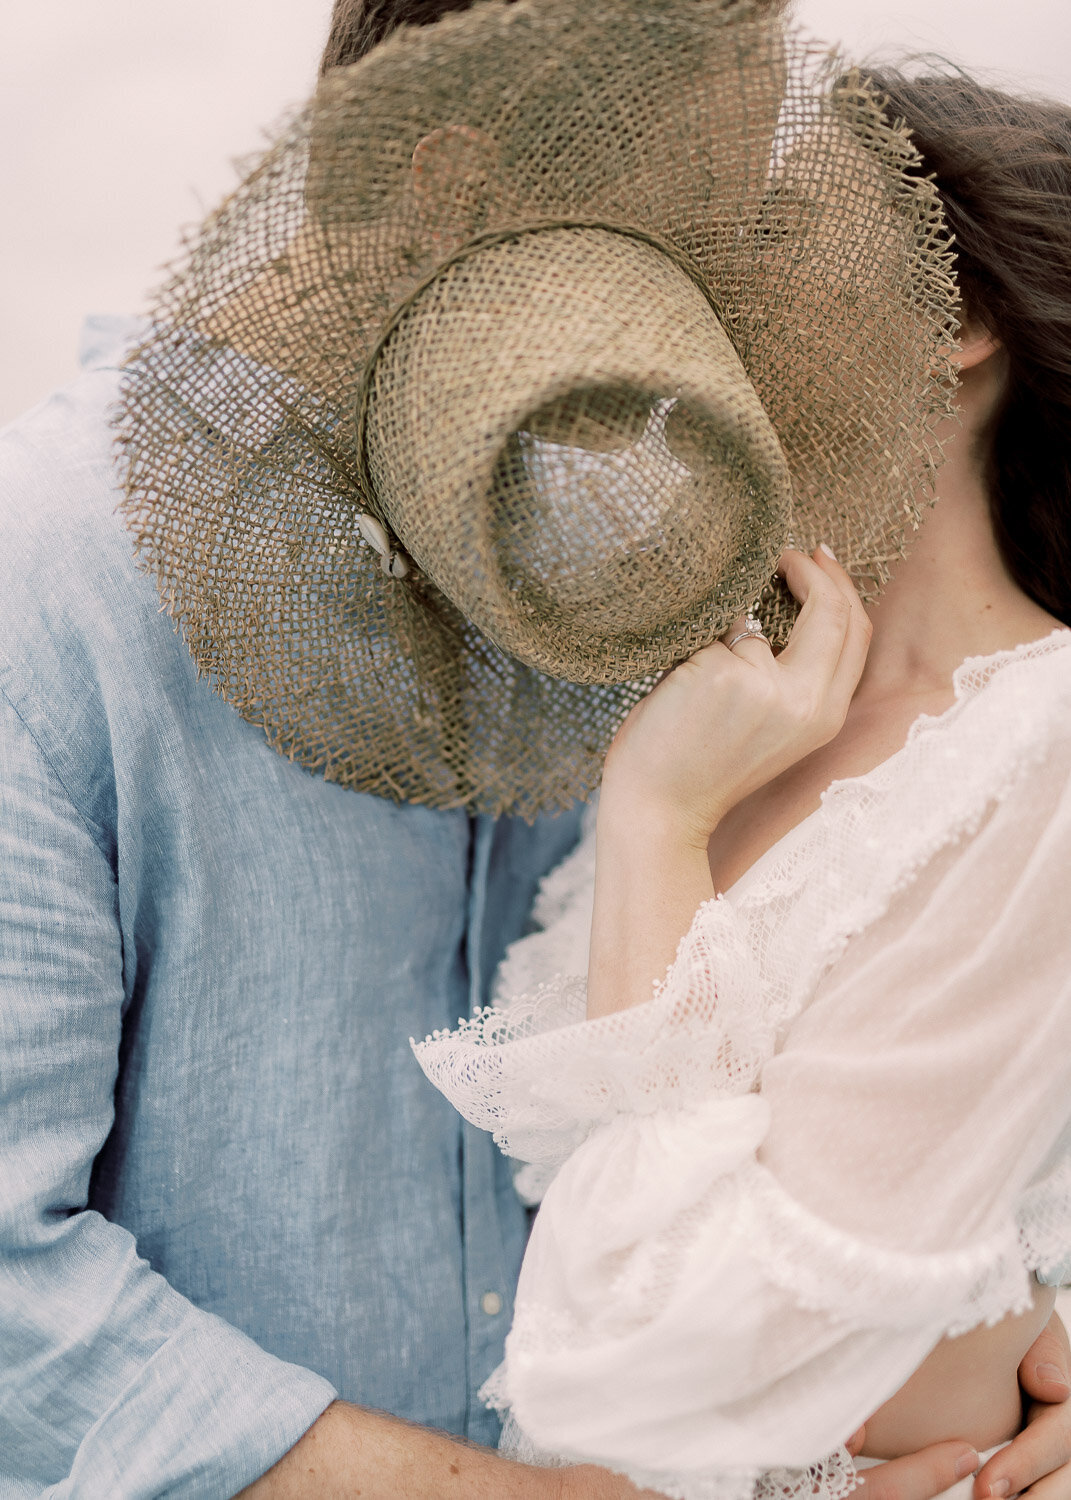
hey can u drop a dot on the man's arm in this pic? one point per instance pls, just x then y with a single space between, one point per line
349 1451
353 1452
111 1383
398 1462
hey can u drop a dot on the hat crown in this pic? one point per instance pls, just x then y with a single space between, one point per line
563 438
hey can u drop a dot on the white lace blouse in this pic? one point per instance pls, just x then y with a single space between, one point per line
839 1130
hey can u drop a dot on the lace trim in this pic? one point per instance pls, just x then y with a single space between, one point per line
749 964
840 797
823 1267
540 1078
866 1285
820 1266
1044 1218
832 1478
859 1283
956 780
970 677
562 914
975 671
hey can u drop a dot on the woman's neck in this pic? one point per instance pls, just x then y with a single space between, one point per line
952 596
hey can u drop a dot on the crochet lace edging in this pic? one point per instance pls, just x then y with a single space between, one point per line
831 1478
863 1285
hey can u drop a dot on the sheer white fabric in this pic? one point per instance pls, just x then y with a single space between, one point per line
839 1130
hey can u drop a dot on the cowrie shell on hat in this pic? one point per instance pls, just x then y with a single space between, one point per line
374 533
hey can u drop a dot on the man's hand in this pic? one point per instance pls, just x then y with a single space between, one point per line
1038 1462
919 1476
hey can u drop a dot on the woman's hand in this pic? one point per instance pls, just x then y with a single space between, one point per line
725 722
717 727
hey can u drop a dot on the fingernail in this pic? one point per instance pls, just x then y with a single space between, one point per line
999 1487
967 1463
824 547
1053 1373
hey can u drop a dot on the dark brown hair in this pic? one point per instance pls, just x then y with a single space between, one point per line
1003 168
359 25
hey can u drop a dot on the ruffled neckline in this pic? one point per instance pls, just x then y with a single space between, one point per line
972 675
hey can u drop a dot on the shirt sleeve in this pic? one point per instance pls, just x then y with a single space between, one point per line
743 1258
111 1383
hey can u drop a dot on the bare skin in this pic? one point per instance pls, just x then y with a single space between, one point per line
353 1452
968 1386
734 749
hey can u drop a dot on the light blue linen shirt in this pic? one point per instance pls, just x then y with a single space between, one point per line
226 1190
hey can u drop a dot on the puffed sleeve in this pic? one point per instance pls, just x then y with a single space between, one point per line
764 1223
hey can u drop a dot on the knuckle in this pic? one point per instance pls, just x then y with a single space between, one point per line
687 674
817 713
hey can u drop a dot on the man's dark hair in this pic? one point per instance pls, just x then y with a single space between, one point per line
359 25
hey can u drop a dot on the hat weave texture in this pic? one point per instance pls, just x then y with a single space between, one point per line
586 312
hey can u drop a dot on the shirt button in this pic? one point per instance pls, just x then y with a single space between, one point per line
491 1303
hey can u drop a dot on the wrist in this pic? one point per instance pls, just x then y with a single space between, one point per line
652 874
651 827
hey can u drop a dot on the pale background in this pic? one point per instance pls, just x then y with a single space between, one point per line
120 121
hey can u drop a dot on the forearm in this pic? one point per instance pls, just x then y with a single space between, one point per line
350 1451
714 730
111 1382
650 881
110 1379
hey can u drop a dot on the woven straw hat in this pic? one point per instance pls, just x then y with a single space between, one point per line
502 380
